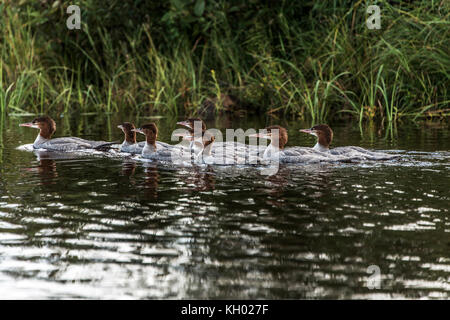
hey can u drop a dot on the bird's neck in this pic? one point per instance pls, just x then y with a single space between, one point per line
320 147
127 143
197 148
39 140
207 150
130 139
151 141
207 147
149 148
271 150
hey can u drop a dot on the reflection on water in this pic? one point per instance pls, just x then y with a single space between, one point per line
47 171
128 167
151 181
93 227
197 179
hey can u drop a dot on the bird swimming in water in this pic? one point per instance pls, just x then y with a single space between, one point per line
324 136
47 128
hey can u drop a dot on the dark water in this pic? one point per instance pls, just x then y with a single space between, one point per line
95 227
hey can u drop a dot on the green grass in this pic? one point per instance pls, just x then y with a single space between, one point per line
313 60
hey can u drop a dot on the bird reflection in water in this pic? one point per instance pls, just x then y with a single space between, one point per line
128 167
151 181
316 182
198 179
47 171
274 185
46 168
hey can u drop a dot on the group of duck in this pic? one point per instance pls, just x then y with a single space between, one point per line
201 147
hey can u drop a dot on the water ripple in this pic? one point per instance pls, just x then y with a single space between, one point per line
95 227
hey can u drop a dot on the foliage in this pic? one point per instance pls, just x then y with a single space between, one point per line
314 59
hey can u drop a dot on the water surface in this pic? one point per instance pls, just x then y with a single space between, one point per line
96 227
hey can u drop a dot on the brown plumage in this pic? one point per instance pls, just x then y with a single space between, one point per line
47 128
151 133
46 125
324 134
282 135
130 135
208 139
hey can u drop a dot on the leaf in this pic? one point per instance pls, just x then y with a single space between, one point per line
22 114
153 117
177 4
167 17
199 7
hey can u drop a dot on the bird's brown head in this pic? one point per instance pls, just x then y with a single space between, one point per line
282 135
128 130
151 132
323 133
274 133
45 124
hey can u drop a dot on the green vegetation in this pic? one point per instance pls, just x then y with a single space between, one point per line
313 59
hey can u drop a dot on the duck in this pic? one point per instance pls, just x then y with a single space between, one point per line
129 144
201 143
47 128
278 137
154 149
324 136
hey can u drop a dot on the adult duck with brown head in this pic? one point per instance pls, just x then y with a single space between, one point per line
324 136
151 134
47 128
